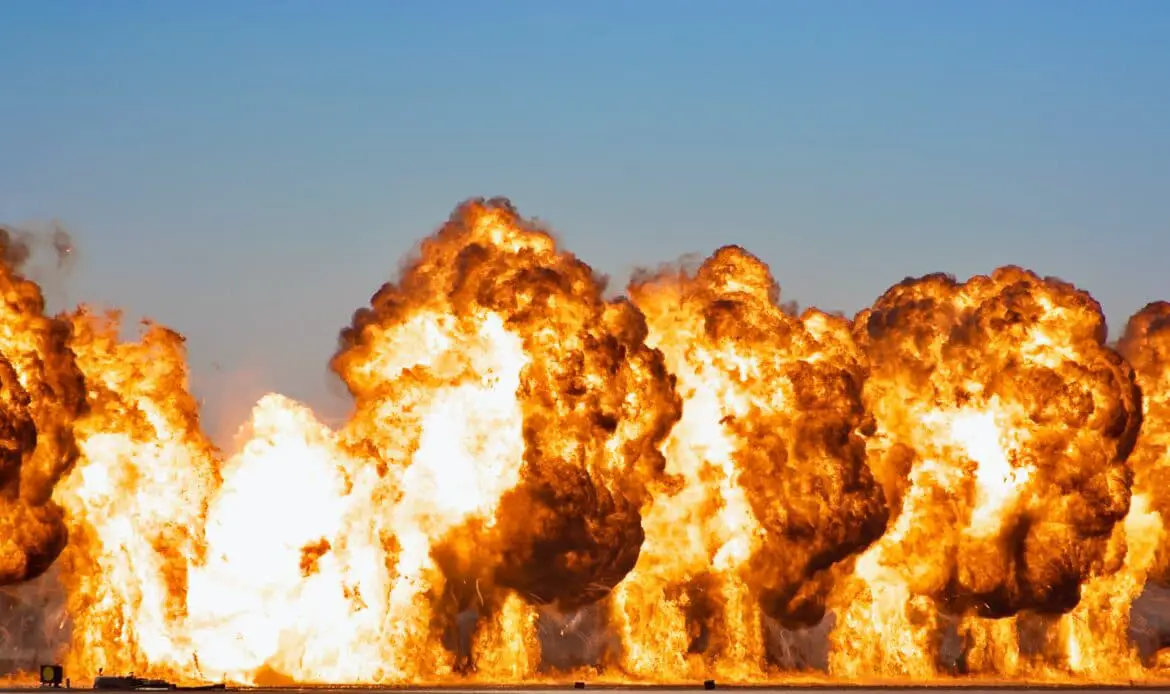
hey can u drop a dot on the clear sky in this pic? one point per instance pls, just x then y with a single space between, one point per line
250 172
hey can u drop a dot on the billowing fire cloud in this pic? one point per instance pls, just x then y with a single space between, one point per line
770 488
1003 426
1146 344
538 476
520 411
42 393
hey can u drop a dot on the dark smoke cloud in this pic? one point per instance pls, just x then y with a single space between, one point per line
26 245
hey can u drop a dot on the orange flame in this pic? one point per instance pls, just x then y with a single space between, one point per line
541 481
771 489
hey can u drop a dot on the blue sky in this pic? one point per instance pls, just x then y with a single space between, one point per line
250 172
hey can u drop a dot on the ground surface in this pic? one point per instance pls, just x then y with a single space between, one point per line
698 687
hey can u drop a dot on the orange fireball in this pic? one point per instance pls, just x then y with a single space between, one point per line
42 393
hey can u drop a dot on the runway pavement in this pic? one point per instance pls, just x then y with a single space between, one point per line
837 688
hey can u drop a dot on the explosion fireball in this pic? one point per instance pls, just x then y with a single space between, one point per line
775 490
41 395
1003 424
540 480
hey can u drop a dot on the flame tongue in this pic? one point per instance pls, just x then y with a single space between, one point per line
137 500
